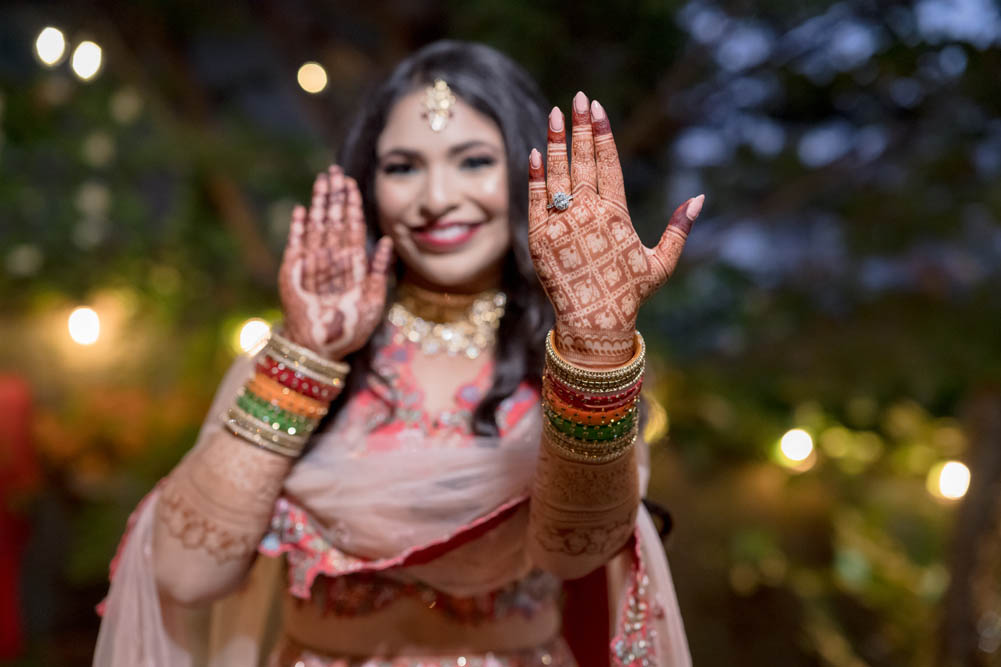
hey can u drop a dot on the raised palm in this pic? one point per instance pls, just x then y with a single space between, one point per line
589 258
332 299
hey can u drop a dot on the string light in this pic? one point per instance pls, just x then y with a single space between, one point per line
949 480
86 60
50 46
795 451
312 77
252 334
84 326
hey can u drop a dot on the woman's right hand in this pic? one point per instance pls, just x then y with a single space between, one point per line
332 299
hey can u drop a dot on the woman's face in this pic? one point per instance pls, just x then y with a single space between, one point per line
443 196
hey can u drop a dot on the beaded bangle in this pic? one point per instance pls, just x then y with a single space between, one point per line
278 418
575 450
296 381
592 401
592 417
304 358
285 398
587 380
608 432
246 427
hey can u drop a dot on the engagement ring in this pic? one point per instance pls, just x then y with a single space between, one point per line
561 201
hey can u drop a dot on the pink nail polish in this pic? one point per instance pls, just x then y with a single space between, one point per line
695 207
556 120
535 159
597 111
580 102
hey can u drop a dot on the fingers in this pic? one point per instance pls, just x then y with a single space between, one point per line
317 212
537 212
333 232
557 165
354 214
296 231
582 168
609 171
665 256
382 260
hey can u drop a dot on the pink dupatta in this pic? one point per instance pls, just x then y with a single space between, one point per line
452 516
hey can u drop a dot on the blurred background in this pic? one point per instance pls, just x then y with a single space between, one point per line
828 392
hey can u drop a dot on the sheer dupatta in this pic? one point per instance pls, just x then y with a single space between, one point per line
453 516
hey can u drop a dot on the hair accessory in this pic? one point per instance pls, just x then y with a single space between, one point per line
561 201
438 102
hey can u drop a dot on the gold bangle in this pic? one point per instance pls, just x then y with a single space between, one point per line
579 451
256 439
590 380
265 430
295 354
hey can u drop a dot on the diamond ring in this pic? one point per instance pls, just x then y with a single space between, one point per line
561 201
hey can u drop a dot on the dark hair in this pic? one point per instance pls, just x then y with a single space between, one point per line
497 87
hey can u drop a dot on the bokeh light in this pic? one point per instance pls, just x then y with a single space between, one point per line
949 480
86 60
252 334
84 326
797 445
50 46
312 77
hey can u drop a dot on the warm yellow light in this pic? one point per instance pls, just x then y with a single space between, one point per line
84 326
86 60
312 77
797 445
253 333
50 46
949 480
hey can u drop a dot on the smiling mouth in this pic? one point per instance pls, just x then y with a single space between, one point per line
444 238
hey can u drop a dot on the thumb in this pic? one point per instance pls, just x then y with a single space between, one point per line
665 256
382 260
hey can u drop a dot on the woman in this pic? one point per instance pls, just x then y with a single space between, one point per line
429 512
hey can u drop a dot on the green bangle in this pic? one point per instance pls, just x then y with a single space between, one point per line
609 431
261 409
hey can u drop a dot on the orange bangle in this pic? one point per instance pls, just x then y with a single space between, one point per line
285 398
596 417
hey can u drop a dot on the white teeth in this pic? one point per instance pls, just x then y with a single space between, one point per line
449 233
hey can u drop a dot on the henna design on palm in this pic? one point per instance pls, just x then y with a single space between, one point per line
589 258
332 298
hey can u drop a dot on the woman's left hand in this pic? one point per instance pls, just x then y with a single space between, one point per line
592 264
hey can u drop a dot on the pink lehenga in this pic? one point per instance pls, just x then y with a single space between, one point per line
389 491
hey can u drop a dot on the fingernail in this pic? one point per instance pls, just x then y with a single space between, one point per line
695 207
536 159
597 111
556 120
580 102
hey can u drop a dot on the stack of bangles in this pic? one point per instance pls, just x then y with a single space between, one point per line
591 415
290 392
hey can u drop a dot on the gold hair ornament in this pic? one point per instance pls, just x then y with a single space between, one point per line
438 103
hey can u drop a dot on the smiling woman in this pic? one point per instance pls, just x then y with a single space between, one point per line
447 481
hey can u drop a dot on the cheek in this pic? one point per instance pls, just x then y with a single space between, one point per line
391 199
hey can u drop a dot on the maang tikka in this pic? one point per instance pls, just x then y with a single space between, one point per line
438 103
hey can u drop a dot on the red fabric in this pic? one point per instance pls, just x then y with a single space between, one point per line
585 618
19 475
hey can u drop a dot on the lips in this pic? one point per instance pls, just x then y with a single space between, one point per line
444 237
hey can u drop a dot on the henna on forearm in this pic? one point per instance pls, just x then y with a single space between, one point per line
213 510
581 513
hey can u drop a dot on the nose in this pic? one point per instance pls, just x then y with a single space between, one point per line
439 195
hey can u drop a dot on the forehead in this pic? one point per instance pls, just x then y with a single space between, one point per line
407 127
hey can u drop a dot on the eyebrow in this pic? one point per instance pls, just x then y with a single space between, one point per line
453 150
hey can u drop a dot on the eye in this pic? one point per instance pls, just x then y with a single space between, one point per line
477 161
398 168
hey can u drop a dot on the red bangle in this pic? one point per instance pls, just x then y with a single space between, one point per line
593 401
585 416
297 381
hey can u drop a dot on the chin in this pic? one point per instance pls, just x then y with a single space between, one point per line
460 272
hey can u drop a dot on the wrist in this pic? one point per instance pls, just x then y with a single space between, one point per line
594 349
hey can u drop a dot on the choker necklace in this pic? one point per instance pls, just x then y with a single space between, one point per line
443 322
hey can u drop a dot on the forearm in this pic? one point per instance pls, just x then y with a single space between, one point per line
586 488
581 513
212 511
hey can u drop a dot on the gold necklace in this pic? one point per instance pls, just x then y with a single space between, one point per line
450 323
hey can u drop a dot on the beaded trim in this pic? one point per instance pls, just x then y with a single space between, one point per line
587 380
